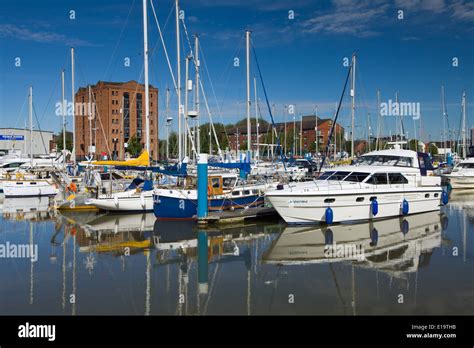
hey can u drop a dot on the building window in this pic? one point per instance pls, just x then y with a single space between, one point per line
139 115
126 114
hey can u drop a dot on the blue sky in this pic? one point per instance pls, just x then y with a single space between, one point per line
301 58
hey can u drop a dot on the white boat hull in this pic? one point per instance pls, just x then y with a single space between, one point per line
124 201
28 188
311 208
461 181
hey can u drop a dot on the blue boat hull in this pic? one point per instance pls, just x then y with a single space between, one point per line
174 208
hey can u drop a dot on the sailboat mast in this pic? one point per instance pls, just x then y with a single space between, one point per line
249 134
145 64
443 106
379 122
316 140
91 153
369 129
63 109
398 132
73 99
257 154
464 124
186 94
178 61
301 136
286 117
196 64
30 116
353 103
167 123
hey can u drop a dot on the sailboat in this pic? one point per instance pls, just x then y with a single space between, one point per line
462 175
22 186
139 195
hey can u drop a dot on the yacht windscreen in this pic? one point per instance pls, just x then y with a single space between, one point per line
356 177
325 175
339 176
466 165
384 160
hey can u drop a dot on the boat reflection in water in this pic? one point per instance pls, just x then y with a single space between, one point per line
27 208
393 245
120 234
132 264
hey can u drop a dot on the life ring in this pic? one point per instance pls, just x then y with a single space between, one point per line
19 176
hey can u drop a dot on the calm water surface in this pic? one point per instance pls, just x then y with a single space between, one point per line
132 265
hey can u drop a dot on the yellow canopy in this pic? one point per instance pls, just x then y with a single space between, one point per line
142 160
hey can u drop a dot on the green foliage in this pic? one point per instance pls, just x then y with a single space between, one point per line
432 149
243 122
134 147
413 145
59 142
173 145
206 133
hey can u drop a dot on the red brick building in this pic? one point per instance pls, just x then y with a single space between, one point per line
305 134
119 114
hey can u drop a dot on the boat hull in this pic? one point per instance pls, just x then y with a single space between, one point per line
20 188
311 208
176 208
461 181
124 202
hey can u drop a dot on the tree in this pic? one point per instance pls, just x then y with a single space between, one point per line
206 133
413 145
173 139
162 149
432 149
243 122
134 147
59 142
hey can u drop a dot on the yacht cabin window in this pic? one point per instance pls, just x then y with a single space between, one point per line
381 179
228 182
356 177
325 175
215 182
339 176
378 179
397 178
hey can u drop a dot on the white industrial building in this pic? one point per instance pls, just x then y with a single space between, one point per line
19 139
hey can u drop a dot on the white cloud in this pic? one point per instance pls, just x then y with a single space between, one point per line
463 10
22 33
348 17
427 5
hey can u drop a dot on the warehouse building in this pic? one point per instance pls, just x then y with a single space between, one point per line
19 139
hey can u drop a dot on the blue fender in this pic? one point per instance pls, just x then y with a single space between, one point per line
375 207
405 207
444 198
329 216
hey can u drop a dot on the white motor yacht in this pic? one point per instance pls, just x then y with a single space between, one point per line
380 184
462 175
